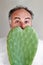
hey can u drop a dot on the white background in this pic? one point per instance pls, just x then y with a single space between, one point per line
35 5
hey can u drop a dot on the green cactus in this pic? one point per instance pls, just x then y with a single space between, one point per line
22 45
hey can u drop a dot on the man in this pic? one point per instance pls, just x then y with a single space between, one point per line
22 17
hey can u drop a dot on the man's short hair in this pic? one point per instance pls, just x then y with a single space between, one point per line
18 8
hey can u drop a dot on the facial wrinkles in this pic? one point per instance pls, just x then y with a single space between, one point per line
21 13
21 16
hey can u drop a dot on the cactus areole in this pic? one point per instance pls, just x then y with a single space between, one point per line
22 45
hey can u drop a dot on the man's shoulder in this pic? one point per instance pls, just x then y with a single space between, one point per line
3 52
40 43
38 60
40 40
2 39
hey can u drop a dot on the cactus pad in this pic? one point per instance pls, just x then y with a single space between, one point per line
22 45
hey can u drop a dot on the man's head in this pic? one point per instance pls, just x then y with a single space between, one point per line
20 16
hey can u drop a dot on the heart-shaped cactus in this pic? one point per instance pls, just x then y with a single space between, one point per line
22 45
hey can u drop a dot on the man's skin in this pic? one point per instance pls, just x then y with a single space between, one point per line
21 18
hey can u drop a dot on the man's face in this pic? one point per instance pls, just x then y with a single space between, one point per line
21 18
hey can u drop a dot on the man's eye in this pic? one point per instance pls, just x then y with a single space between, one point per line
26 21
17 21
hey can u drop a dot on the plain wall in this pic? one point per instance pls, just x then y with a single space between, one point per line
35 5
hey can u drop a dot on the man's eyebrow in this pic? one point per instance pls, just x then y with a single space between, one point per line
28 18
16 17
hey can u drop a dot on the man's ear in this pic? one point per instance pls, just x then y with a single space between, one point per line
10 23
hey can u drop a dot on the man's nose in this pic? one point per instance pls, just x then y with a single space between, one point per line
22 25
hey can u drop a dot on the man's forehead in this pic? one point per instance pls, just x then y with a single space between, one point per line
21 12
